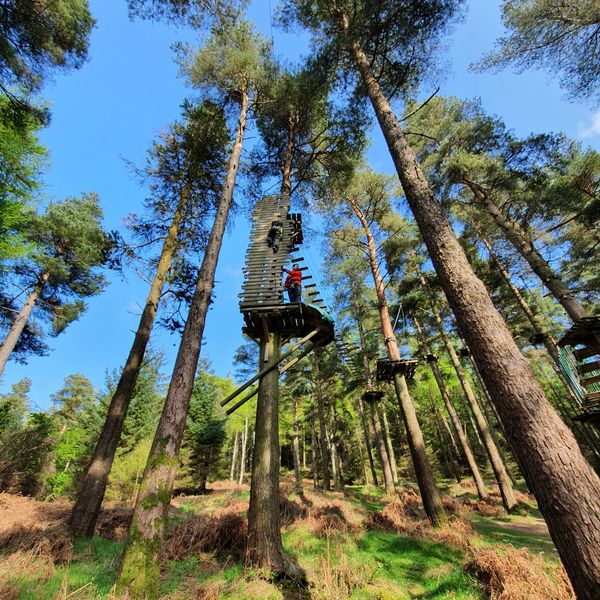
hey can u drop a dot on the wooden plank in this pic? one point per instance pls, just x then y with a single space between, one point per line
589 380
585 352
587 367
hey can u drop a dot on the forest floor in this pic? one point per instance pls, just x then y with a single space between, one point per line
355 544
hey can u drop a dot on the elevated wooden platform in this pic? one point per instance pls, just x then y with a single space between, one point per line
372 396
387 368
585 332
290 320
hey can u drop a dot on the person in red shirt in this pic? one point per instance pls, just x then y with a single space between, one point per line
293 283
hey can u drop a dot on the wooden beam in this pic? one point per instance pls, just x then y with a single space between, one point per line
268 369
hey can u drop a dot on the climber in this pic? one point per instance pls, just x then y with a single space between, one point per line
293 283
274 236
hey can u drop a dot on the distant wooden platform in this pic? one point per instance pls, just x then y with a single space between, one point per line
387 368
372 396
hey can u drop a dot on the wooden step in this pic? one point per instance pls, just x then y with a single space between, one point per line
590 380
588 367
585 352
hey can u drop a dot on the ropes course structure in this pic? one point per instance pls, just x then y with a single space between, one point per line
262 303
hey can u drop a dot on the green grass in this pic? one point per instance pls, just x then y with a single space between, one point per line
95 564
373 565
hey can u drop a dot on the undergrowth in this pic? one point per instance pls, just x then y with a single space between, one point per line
356 544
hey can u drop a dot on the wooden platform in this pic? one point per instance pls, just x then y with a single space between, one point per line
387 368
372 396
290 320
585 332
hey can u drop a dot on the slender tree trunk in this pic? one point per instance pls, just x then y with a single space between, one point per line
506 490
313 447
323 433
425 479
296 446
388 478
244 451
16 329
265 550
458 428
139 569
304 447
286 166
454 451
234 456
388 444
86 509
565 486
367 439
524 245
452 467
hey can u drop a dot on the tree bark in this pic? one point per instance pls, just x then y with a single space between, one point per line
265 550
432 502
458 428
323 434
296 446
244 452
524 245
507 493
566 488
139 570
16 329
234 455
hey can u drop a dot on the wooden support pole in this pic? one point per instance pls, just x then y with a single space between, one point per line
285 367
269 368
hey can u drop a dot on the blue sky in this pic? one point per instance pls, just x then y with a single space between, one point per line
124 96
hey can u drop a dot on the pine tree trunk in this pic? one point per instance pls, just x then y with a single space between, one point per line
509 499
388 444
455 455
86 509
425 479
296 446
566 488
458 428
244 452
388 478
313 447
234 455
524 245
265 550
139 569
286 166
367 439
16 329
323 434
